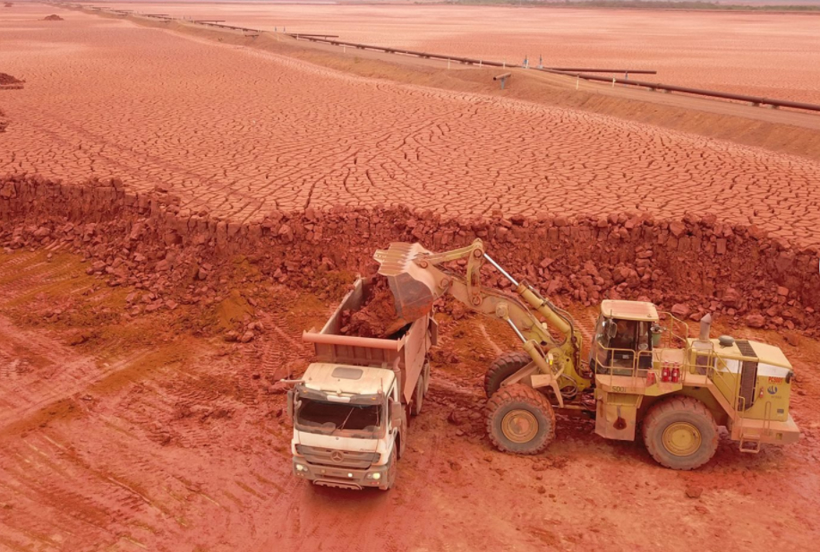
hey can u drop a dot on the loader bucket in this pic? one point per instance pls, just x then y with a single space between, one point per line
412 287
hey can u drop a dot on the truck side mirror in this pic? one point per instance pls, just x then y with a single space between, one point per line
396 413
290 403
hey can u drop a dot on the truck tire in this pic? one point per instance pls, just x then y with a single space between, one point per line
680 433
418 397
520 420
390 480
503 367
426 373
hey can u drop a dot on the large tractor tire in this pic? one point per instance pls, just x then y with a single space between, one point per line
520 420
680 433
503 367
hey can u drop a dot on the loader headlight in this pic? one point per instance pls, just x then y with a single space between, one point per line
373 476
301 468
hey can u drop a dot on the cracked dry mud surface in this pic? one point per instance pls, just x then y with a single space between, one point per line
239 132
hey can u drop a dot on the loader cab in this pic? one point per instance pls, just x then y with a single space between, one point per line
624 335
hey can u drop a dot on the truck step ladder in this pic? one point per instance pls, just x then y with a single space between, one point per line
750 443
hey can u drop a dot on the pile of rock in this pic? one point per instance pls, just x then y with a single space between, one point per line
689 266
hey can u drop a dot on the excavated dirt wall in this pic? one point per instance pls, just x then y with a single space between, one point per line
688 266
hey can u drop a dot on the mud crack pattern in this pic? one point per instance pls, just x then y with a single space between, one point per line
239 133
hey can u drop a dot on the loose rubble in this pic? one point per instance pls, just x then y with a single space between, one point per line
691 267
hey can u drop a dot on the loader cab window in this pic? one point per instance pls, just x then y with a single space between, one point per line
625 335
625 339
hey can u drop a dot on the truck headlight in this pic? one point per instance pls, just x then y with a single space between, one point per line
373 476
301 468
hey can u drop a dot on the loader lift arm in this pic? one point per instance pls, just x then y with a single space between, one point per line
417 278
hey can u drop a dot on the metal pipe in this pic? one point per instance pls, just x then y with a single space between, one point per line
504 76
501 270
696 91
574 70
517 331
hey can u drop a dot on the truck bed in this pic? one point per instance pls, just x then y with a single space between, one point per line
405 352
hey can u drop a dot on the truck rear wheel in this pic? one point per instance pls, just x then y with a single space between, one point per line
680 433
503 367
418 396
426 373
520 420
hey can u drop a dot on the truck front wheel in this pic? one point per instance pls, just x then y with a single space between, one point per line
520 420
390 480
680 433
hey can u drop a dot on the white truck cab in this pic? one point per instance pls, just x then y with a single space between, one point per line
350 407
347 426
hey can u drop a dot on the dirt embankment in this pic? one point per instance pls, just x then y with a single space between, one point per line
688 266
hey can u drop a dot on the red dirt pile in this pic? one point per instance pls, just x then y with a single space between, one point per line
687 266
377 316
53 17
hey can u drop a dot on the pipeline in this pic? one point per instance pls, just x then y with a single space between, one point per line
754 100
572 72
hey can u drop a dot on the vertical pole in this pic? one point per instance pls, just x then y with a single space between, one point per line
479 63
613 82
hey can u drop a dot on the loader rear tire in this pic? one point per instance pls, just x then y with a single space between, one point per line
680 433
503 367
520 420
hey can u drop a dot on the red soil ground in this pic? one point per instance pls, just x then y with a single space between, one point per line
163 110
128 422
130 433
762 54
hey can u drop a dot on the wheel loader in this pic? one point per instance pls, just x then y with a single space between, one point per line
641 370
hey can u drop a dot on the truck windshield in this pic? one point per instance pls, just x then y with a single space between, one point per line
327 417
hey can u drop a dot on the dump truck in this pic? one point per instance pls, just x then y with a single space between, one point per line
642 369
350 408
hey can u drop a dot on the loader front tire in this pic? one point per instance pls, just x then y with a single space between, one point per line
680 433
520 420
503 367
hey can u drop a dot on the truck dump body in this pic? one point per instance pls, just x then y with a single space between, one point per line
404 352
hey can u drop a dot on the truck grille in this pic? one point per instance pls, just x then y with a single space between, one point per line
337 458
